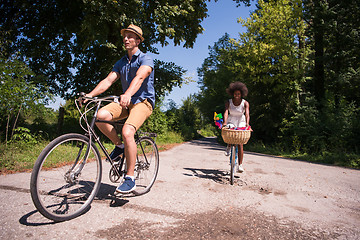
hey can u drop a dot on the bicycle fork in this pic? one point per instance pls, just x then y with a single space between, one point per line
236 154
72 174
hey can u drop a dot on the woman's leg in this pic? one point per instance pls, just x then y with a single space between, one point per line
227 151
241 153
240 157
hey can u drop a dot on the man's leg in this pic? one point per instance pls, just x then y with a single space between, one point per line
106 128
138 114
128 134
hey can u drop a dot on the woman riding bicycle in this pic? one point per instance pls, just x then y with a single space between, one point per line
237 113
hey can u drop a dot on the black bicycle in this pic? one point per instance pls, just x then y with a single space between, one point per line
67 174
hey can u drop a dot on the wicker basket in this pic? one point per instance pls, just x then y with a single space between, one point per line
235 136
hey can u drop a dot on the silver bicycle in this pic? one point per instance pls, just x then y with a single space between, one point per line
67 174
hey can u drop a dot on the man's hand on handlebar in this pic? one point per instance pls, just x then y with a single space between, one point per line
124 100
82 98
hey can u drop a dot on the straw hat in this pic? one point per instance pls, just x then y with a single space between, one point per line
135 29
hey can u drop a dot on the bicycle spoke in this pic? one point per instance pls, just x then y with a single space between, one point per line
65 192
147 164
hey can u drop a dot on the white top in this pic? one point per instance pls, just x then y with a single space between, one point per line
237 114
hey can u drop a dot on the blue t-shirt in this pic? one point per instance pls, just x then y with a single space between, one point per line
127 71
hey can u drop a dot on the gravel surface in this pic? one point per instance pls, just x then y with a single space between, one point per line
275 198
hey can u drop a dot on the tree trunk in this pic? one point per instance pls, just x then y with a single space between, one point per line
17 117
7 130
60 120
301 65
319 71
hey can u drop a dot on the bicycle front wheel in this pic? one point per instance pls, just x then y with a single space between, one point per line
147 165
232 164
66 177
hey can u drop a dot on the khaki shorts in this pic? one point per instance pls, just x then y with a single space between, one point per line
136 114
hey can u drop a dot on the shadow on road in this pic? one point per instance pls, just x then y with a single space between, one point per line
24 220
106 192
217 176
208 143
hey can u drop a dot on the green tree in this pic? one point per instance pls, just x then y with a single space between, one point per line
271 46
334 81
334 34
190 119
167 76
157 122
70 45
17 93
268 58
60 37
172 116
215 77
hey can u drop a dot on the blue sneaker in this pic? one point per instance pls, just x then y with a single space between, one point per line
114 155
127 186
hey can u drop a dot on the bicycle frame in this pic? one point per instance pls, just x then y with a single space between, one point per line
235 152
233 160
89 129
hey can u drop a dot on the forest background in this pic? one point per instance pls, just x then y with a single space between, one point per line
299 59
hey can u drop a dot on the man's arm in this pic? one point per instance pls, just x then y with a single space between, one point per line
142 73
104 84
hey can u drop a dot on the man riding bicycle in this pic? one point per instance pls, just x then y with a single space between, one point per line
136 72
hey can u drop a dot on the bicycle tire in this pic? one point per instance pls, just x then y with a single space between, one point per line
147 165
232 164
62 191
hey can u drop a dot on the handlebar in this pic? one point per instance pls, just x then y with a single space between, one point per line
113 98
92 103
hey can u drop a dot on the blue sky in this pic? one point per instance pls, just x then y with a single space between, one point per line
222 19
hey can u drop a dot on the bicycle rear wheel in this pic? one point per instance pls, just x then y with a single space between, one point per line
232 164
147 165
66 177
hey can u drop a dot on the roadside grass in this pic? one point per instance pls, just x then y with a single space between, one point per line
168 140
21 156
349 160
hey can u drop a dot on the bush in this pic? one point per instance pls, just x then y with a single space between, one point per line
208 130
23 136
169 138
333 129
156 122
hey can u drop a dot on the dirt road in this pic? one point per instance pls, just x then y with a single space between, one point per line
275 198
